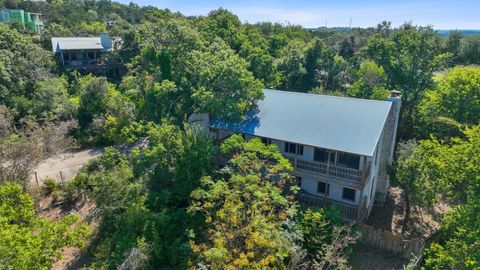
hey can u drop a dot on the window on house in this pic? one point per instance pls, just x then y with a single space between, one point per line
266 141
323 188
348 194
292 148
348 160
66 56
371 189
320 155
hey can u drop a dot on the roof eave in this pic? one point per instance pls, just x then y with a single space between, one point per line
292 141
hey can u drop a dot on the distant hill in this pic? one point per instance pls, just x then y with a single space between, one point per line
464 32
441 32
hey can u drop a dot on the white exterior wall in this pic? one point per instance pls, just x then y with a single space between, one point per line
309 184
309 181
374 170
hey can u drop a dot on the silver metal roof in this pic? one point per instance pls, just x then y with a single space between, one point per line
339 123
76 43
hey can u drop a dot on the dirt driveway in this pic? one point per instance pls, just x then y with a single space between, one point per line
65 166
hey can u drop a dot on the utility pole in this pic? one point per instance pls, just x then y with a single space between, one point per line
350 23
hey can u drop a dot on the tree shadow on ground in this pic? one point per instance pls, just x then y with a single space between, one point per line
369 258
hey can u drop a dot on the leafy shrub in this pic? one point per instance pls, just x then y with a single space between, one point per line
30 242
50 185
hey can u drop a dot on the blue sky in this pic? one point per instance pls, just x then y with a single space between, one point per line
441 14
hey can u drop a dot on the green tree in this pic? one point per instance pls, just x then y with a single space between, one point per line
471 50
456 96
453 45
103 111
93 93
370 83
449 172
461 244
261 64
408 57
142 199
347 47
160 100
220 83
317 231
245 209
325 242
165 48
52 101
292 66
22 63
324 68
30 242
225 25
210 78
406 175
175 160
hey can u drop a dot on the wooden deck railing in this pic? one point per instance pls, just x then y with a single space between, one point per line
321 168
349 212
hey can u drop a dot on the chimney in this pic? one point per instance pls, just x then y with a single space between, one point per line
396 98
395 94
200 121
106 41
388 145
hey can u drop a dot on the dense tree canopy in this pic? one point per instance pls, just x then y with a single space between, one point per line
455 98
438 171
142 198
22 63
30 242
177 66
408 57
245 209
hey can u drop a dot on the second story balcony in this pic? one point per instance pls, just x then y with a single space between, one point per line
352 169
325 169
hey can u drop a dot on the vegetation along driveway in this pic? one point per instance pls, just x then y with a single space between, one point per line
64 167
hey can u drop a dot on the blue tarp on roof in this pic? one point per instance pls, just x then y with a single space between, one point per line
339 123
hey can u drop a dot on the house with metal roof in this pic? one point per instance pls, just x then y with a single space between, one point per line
84 53
340 147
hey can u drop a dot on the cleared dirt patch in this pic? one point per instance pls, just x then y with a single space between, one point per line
50 208
369 258
390 215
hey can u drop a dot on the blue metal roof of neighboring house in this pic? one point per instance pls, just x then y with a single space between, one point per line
76 43
338 123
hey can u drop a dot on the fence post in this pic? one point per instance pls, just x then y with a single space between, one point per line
61 176
36 179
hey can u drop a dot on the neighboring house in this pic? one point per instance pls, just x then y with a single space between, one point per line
30 20
340 147
86 54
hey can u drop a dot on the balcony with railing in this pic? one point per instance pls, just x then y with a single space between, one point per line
325 169
347 211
